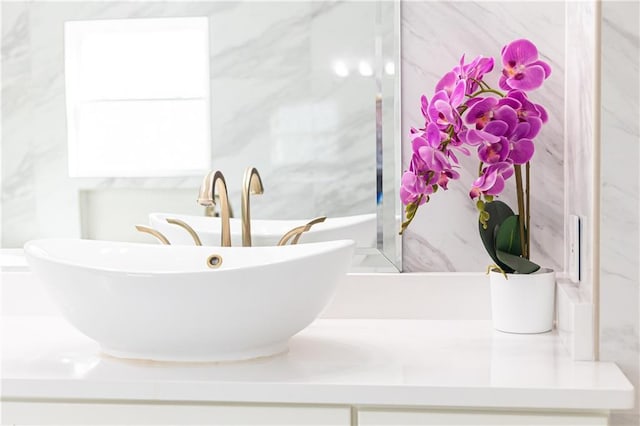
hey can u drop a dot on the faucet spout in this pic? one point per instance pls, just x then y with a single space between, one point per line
251 184
212 182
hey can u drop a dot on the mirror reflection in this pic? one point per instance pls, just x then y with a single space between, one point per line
113 111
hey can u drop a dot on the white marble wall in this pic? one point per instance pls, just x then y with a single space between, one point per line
620 156
581 115
272 66
580 168
444 235
272 85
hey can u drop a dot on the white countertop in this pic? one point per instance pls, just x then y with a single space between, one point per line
351 362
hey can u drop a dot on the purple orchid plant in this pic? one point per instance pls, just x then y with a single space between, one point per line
466 113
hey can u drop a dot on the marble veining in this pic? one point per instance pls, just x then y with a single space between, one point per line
620 154
444 235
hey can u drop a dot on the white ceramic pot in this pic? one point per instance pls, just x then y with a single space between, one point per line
523 303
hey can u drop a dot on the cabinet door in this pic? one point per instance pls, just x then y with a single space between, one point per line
76 413
374 417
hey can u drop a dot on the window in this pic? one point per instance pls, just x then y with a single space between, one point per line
137 93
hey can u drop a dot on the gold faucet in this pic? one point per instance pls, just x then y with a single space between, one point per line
210 211
251 184
215 181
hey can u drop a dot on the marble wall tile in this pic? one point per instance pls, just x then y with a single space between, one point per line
18 197
308 131
620 156
444 235
581 114
245 37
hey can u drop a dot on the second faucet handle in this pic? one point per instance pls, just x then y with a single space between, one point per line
297 232
148 230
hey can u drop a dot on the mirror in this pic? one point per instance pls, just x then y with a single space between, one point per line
306 92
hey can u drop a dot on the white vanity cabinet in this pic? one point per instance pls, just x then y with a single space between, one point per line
390 417
136 413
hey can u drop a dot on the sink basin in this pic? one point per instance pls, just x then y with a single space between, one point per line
166 303
266 232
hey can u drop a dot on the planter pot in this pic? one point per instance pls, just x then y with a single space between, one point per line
523 303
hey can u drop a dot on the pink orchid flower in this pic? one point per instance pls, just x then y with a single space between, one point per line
522 69
492 180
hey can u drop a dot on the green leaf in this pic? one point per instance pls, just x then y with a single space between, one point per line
508 236
517 263
498 212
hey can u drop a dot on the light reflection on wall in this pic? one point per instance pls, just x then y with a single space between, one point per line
341 68
304 133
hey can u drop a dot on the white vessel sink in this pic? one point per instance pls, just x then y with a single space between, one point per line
165 303
266 232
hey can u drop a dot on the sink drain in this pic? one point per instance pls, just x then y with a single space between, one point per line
214 261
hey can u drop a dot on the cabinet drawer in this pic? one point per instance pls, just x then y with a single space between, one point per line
77 413
375 417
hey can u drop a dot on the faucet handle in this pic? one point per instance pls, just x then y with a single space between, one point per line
154 232
312 222
187 228
297 232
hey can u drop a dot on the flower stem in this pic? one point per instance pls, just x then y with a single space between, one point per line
521 211
487 90
411 213
528 227
480 83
